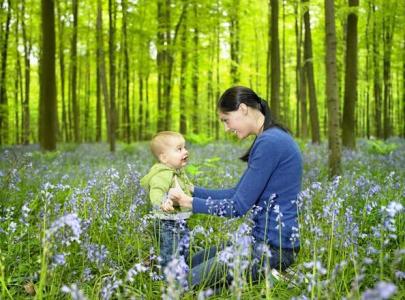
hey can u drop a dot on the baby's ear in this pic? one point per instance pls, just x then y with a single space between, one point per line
162 158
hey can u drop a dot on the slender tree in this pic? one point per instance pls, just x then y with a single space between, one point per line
377 83
27 68
309 70
18 77
183 74
111 48
195 76
274 53
234 35
298 41
332 90
73 61
102 68
350 94
388 33
48 114
64 131
367 72
3 79
127 117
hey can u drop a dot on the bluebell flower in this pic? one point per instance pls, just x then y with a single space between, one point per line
59 259
71 221
382 290
176 273
97 254
110 284
135 270
73 291
205 294
400 275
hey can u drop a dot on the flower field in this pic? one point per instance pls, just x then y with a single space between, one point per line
75 225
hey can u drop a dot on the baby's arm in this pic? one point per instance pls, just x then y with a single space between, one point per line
159 186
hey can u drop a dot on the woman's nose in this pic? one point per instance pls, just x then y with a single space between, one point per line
226 127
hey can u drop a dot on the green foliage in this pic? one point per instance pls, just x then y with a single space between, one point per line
380 147
199 139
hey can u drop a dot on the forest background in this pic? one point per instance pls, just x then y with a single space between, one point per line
122 70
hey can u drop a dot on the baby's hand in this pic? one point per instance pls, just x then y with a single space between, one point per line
167 206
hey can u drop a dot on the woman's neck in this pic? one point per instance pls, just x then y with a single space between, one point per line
258 123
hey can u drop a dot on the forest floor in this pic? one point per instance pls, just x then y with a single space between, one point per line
74 223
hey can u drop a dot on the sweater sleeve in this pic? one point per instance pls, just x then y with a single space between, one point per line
214 194
158 187
264 159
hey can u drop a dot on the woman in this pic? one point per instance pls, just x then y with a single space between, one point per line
271 182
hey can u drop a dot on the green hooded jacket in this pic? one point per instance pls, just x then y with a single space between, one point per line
158 182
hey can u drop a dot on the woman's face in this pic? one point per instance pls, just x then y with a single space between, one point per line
236 121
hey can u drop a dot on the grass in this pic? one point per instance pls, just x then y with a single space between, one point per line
75 221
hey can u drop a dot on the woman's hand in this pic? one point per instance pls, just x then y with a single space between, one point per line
178 197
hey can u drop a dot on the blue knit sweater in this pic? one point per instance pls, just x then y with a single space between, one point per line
269 185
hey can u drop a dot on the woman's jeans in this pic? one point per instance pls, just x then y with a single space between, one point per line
208 270
173 239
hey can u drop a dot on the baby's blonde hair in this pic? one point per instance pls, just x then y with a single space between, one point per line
159 141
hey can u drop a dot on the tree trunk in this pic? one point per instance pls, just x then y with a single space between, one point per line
377 84
350 96
75 104
218 57
111 44
275 61
87 127
47 116
298 67
98 100
195 77
234 40
18 81
332 91
403 87
303 102
127 117
61 28
160 59
101 67
27 67
309 68
388 32
285 103
183 77
3 80
140 123
367 73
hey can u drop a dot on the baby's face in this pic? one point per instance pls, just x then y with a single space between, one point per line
175 154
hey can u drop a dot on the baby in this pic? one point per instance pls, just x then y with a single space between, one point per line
171 231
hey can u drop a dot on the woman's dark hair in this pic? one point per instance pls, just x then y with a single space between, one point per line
234 96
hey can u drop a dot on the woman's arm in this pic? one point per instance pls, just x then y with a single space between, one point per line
214 194
264 161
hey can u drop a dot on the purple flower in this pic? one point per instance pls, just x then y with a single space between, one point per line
383 290
71 221
59 259
74 292
176 273
135 270
97 253
110 284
